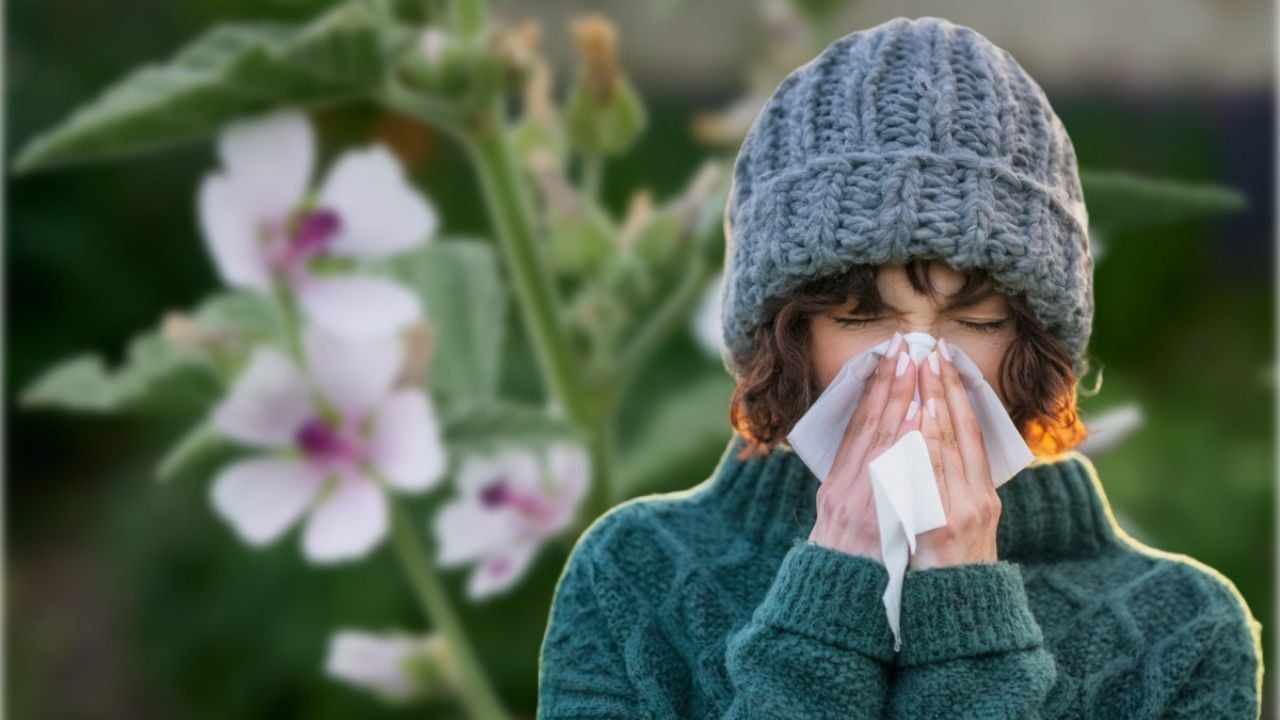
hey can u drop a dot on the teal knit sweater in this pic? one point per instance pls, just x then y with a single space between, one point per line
711 603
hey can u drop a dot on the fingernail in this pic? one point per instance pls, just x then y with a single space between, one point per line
933 412
942 345
903 359
933 363
912 409
897 341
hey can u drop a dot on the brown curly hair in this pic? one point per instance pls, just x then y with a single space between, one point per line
778 383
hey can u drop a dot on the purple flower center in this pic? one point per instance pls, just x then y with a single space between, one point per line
495 494
500 493
321 442
312 237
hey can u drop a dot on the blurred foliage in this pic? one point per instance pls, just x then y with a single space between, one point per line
145 596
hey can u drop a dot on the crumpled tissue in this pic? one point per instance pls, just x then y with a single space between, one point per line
903 484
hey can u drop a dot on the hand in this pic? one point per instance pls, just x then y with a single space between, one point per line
846 512
959 458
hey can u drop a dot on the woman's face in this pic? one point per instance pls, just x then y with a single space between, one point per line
983 331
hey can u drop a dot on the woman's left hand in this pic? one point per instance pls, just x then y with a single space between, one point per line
969 498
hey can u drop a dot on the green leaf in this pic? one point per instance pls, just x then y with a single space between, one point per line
229 72
1120 199
168 363
199 443
465 304
85 384
690 423
252 316
485 428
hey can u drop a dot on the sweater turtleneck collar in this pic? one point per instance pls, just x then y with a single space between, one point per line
1053 509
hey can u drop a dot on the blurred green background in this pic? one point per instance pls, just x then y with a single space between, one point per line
128 599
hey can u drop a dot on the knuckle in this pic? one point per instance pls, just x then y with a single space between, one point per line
948 439
858 423
881 437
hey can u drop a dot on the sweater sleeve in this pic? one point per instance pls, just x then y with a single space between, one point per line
971 648
818 646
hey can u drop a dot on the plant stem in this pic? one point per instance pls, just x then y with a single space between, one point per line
603 493
592 176
433 111
292 323
673 312
477 694
509 208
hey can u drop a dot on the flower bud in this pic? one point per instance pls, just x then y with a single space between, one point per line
605 115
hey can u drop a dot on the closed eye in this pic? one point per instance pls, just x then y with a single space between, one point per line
987 327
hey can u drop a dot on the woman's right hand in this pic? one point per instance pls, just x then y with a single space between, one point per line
846 512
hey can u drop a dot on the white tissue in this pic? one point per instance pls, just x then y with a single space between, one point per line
903 485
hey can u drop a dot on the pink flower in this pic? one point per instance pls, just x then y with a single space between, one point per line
508 506
329 457
379 663
261 223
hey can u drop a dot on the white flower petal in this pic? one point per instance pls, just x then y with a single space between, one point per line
358 307
406 444
268 403
271 156
354 375
230 231
705 324
1109 428
570 476
500 572
570 469
467 531
379 210
523 470
518 467
374 662
347 524
263 497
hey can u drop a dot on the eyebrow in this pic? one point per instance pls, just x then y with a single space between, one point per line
979 298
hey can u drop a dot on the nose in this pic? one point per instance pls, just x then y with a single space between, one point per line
918 329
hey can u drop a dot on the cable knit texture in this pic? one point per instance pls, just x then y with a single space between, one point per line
912 139
711 603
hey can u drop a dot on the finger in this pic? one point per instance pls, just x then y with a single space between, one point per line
901 395
932 439
870 408
931 370
973 452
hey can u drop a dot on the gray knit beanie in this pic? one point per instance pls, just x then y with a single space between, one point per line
911 139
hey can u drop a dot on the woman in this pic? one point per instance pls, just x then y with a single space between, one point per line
912 177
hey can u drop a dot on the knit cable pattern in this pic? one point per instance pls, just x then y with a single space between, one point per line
711 603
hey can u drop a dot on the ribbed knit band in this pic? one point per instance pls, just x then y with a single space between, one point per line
831 596
913 139
964 610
